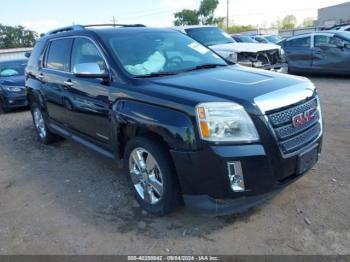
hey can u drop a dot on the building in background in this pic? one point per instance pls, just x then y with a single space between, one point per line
334 15
13 54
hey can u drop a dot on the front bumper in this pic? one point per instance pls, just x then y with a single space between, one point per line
14 100
205 183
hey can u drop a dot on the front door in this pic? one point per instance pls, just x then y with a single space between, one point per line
88 104
331 54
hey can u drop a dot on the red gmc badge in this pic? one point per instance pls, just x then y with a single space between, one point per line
304 118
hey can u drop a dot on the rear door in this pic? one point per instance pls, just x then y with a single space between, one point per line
55 71
299 53
331 54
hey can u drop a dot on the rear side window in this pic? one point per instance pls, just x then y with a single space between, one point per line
58 55
299 42
36 54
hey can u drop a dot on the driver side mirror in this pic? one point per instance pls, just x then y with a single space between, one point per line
89 70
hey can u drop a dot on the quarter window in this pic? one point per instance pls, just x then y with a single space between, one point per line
299 42
58 55
84 51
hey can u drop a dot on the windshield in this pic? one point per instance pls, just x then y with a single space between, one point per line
273 38
345 35
210 36
15 68
146 53
245 39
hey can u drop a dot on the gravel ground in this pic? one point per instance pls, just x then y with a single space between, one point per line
63 199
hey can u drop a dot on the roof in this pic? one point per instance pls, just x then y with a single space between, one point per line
106 28
14 60
183 28
332 32
15 50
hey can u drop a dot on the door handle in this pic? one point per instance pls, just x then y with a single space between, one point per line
68 83
41 76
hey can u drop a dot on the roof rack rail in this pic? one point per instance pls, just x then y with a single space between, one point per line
65 29
81 27
115 25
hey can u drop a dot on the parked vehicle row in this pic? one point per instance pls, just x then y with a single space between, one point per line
12 88
319 52
188 125
263 56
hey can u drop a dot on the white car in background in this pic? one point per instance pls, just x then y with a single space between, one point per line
263 56
344 28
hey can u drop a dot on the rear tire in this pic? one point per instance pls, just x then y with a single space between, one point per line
151 175
45 135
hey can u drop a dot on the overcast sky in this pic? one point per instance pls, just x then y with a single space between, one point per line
43 15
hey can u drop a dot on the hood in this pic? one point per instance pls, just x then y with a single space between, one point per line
244 47
233 83
12 81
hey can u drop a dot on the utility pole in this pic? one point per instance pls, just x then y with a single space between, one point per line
228 15
114 21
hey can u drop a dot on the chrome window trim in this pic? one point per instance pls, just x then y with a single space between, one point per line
70 56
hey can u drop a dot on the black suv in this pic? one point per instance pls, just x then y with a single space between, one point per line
187 125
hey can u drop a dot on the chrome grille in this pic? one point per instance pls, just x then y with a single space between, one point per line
286 116
292 138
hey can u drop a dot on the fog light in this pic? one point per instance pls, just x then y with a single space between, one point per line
236 176
11 101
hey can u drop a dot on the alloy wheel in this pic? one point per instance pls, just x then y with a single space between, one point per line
39 123
146 176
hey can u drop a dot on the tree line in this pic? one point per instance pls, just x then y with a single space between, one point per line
16 37
205 16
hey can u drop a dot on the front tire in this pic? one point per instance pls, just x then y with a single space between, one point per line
3 108
152 176
45 135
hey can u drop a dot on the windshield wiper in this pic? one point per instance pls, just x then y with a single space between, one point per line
205 66
158 74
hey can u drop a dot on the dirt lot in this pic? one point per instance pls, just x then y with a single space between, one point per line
63 199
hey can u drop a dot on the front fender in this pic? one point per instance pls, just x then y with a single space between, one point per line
176 128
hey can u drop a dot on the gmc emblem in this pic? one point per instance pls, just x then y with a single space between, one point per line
304 118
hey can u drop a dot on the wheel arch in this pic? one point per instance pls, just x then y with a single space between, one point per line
172 128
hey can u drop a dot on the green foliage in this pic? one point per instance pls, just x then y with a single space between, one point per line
235 29
289 22
205 15
308 22
16 37
186 17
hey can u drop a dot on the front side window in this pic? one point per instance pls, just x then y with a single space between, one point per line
84 51
299 42
210 36
58 55
15 68
145 53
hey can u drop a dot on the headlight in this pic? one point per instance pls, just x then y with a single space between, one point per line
225 122
233 57
282 53
15 89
